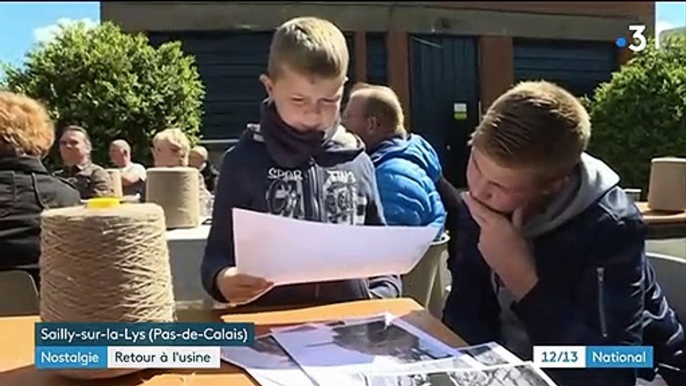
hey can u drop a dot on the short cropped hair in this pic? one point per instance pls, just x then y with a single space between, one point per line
79 129
382 103
536 125
122 144
25 126
201 151
177 140
311 47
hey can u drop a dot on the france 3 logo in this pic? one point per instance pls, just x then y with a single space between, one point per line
639 42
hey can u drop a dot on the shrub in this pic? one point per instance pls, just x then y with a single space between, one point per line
641 113
113 84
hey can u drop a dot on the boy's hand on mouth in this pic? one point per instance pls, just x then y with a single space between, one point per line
503 247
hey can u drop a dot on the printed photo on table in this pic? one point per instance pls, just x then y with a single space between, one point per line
342 352
523 374
490 354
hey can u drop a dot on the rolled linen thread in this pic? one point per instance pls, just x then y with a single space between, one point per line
115 178
177 191
105 263
667 190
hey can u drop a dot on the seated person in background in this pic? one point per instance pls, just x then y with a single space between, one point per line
199 160
170 149
132 174
89 179
549 250
407 166
26 187
299 162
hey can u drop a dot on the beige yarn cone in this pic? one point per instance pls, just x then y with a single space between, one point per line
177 191
105 265
667 191
115 178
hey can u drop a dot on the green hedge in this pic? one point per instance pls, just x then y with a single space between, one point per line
114 84
641 113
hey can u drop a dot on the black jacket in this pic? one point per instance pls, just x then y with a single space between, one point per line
335 186
209 175
595 287
26 189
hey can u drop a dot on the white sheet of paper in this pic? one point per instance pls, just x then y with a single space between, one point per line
288 251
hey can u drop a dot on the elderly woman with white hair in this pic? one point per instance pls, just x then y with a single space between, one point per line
171 148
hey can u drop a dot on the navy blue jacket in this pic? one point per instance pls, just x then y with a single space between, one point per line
407 171
595 285
335 186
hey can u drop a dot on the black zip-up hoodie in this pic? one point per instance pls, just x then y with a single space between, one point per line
323 177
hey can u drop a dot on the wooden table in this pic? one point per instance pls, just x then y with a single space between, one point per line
663 225
17 344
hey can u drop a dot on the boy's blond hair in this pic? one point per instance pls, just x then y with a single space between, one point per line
25 126
309 46
537 126
382 103
177 140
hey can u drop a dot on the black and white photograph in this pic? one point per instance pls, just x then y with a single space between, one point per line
341 353
357 320
523 374
490 354
267 362
264 353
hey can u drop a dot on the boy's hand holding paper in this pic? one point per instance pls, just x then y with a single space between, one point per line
239 288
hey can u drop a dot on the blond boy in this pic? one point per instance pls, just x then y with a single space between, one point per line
549 249
299 162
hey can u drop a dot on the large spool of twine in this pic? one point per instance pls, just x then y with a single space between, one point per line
105 263
177 191
667 191
115 178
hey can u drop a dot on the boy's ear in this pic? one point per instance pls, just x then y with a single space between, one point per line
373 124
268 84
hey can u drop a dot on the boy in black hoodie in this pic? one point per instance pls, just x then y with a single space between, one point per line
299 162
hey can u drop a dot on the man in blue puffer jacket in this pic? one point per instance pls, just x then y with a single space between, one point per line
407 166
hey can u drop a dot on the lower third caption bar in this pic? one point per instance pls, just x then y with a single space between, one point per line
593 356
122 357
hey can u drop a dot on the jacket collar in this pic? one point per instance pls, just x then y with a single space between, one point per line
23 163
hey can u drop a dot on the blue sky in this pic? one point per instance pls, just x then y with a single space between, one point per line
22 24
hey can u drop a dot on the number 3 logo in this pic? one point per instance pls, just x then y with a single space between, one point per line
638 37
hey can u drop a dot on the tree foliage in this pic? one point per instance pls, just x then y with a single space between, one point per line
641 113
113 84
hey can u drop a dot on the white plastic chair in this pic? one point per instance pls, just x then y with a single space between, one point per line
421 283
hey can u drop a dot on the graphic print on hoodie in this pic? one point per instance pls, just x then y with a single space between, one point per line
287 195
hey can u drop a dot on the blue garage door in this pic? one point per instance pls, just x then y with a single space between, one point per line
575 65
229 64
444 73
